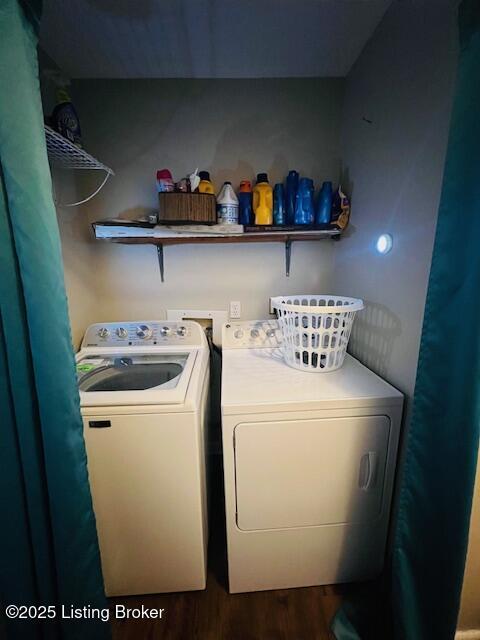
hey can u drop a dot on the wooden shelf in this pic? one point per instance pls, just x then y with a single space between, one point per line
244 238
274 236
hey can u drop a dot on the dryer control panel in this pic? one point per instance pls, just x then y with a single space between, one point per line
144 333
251 334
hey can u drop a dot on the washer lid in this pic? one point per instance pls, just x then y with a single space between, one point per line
126 378
259 381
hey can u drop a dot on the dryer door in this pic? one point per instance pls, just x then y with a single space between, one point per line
303 473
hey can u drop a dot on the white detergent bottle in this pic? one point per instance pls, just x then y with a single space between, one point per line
227 205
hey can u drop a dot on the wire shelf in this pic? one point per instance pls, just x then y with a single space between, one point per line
64 154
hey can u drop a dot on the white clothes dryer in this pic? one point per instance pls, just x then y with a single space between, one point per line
309 464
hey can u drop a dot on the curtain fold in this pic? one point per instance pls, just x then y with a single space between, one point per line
435 501
423 587
48 543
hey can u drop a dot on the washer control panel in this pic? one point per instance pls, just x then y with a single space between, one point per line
144 333
251 334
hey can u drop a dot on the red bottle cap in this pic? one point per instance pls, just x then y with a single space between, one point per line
164 174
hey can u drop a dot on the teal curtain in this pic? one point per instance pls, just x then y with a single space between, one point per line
48 544
436 484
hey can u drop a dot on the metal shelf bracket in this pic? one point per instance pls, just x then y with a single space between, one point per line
288 256
161 264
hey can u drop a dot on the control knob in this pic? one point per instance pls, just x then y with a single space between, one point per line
270 333
103 333
254 333
238 334
182 331
122 333
165 331
144 332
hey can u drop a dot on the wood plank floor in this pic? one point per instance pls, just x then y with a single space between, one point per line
214 614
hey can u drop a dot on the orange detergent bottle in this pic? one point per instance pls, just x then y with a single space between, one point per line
263 200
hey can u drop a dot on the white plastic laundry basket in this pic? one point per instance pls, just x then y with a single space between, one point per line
315 329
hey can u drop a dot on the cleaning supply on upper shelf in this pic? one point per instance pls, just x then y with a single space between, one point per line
164 181
263 200
194 180
206 185
245 211
65 119
304 210
324 206
340 209
183 185
279 213
227 205
290 196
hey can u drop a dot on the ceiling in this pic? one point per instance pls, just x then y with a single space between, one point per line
207 38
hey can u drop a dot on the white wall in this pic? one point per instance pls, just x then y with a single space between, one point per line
232 128
78 252
77 247
403 82
393 165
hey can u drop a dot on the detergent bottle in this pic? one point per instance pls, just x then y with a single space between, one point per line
291 196
263 200
279 212
324 207
304 211
205 185
245 211
227 205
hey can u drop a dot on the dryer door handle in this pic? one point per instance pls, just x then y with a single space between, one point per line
368 470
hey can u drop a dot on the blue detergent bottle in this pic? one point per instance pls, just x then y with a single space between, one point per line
245 212
290 196
304 211
324 205
279 212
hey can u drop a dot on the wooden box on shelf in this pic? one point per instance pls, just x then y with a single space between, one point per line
187 208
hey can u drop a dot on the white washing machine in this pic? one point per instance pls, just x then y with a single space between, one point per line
143 394
309 462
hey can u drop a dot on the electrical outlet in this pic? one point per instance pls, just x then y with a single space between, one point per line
235 310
